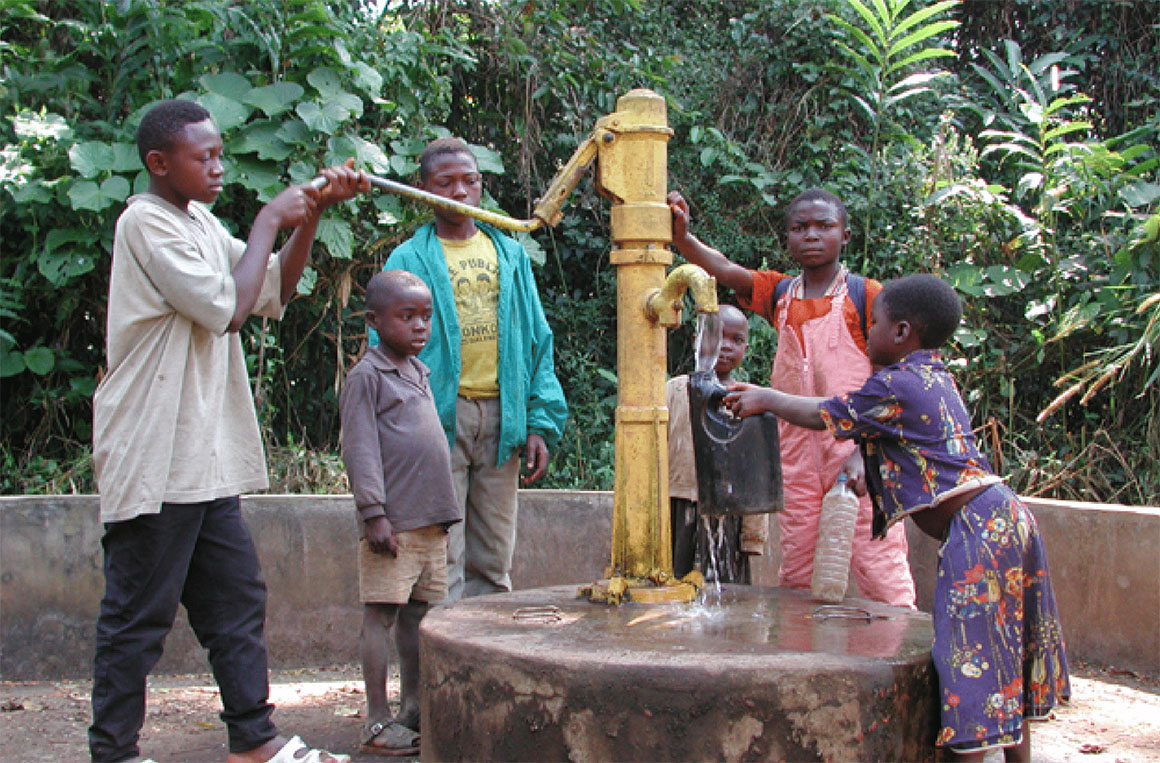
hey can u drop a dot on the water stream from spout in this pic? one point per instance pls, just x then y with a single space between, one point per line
708 341
711 593
706 347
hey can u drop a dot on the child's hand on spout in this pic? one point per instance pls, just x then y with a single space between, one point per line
747 399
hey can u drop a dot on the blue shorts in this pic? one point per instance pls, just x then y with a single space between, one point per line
998 647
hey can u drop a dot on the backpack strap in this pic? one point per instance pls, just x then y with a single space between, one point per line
856 289
781 288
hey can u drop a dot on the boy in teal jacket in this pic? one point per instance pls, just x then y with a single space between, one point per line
491 362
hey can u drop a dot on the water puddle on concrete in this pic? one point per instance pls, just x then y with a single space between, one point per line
738 619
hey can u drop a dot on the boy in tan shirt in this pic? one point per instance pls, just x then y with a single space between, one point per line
175 435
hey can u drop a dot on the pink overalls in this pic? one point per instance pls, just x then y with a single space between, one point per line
822 359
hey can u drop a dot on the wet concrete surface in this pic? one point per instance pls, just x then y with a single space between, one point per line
766 673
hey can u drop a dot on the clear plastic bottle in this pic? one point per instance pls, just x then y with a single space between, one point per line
835 537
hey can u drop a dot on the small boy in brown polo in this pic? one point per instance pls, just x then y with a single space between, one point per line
400 474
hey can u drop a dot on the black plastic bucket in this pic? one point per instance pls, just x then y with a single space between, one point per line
738 460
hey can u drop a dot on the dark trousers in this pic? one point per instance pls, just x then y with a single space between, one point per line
714 550
201 556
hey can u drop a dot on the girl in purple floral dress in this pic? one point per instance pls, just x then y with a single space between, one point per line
998 647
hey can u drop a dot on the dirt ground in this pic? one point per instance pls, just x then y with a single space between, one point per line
1113 717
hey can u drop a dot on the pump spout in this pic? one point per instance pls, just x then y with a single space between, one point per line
663 305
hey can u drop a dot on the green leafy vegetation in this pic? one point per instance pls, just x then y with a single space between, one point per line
1010 146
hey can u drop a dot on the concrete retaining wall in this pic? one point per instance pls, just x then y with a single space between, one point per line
1105 561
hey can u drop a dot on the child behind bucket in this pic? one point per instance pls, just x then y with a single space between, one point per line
740 537
400 474
998 648
820 317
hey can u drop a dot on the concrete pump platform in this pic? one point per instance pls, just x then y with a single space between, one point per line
544 675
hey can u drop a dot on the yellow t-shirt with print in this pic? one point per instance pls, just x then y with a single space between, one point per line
474 270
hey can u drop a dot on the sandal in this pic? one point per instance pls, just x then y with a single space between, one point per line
296 751
395 739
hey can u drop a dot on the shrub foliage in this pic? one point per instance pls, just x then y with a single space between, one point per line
1007 145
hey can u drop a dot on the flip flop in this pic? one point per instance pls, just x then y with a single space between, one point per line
292 752
399 740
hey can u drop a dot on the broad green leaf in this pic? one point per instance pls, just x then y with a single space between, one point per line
337 236
343 53
1046 61
1066 128
67 253
115 188
866 107
369 80
85 194
1061 103
918 36
922 55
83 385
227 112
230 85
966 278
306 283
367 156
488 160
326 81
370 154
389 207
294 131
1011 149
871 20
1139 195
325 119
872 47
916 79
302 172
32 192
403 166
39 360
535 252
867 72
1003 280
261 138
276 98
11 364
126 158
261 177
899 97
91 158
922 15
409 146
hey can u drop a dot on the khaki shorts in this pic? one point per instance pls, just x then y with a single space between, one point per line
419 572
